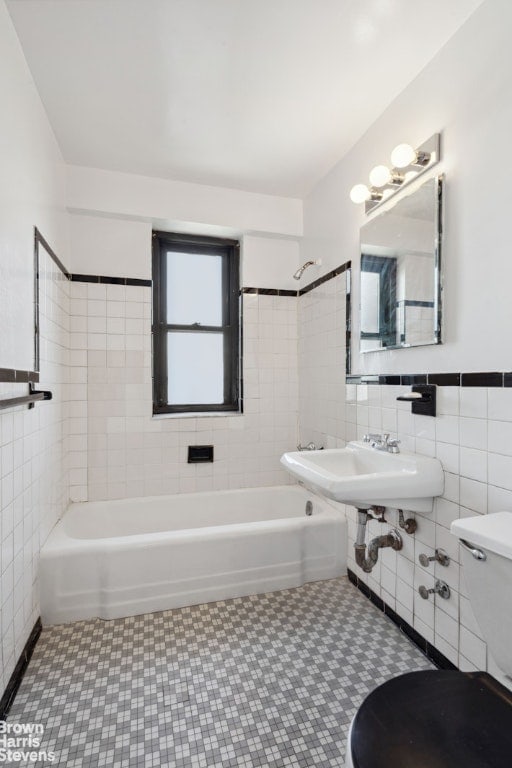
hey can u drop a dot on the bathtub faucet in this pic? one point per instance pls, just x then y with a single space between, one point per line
309 447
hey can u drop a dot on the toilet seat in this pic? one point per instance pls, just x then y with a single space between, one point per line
434 719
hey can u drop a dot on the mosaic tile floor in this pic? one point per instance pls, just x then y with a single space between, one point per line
269 680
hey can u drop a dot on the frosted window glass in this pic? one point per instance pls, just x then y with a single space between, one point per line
195 368
194 288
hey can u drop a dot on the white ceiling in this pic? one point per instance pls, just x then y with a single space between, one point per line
261 95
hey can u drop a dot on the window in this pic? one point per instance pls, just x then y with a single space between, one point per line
195 324
378 302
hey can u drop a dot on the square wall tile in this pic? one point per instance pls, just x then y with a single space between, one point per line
500 437
500 470
473 433
473 402
473 464
473 495
500 403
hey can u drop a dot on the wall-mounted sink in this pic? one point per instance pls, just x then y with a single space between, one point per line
363 476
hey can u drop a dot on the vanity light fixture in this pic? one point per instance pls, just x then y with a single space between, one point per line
408 163
381 176
404 155
361 193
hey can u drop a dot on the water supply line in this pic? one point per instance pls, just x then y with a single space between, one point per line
367 560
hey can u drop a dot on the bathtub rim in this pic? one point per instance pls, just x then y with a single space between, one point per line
59 541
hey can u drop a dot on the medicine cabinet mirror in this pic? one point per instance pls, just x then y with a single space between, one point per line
400 274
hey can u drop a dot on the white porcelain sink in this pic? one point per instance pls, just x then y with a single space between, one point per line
362 476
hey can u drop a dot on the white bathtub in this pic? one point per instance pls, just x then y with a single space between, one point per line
122 558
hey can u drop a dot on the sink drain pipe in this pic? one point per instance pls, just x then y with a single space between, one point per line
367 561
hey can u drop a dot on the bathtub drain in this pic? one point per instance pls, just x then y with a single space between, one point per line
309 508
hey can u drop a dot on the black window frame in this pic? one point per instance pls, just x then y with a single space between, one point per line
229 250
386 268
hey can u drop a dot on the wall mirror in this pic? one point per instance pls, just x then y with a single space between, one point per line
400 275
19 307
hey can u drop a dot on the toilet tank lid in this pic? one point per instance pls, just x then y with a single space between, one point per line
492 532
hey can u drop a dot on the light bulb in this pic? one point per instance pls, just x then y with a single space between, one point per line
403 155
380 176
360 193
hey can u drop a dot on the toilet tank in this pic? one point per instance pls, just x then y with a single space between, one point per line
486 557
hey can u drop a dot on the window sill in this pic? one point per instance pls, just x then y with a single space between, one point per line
197 415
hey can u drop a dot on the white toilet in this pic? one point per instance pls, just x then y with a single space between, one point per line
442 718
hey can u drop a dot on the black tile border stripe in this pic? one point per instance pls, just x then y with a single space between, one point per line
51 253
14 376
80 278
329 276
269 292
104 279
481 379
444 379
286 292
430 651
415 379
19 671
110 280
472 379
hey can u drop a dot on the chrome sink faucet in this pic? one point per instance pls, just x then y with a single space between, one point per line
382 442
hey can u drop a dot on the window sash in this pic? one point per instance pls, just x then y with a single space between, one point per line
229 251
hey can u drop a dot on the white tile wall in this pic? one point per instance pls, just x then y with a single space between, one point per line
119 450
98 438
33 471
321 321
471 438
